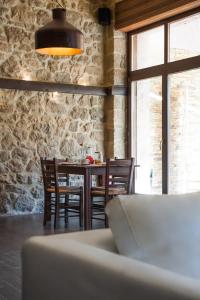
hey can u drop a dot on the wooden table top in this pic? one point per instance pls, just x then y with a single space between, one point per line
80 165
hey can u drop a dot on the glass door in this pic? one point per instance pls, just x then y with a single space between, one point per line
164 106
147 134
184 132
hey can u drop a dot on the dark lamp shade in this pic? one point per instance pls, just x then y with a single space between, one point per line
59 37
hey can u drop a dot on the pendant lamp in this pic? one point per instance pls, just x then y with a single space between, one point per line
59 37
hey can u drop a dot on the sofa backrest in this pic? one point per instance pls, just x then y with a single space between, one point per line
161 230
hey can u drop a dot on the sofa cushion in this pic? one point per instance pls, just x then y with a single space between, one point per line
160 230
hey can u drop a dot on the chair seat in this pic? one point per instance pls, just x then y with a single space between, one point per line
70 204
102 187
65 189
100 191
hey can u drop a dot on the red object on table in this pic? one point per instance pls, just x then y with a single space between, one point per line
90 158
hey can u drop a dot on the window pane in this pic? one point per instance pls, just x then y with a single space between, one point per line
184 38
147 97
184 124
148 48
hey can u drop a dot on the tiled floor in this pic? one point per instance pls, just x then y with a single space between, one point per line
13 232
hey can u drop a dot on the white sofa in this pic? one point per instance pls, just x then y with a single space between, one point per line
87 265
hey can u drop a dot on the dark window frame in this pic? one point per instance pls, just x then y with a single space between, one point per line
164 71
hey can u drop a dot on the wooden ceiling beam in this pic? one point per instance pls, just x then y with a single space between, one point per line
134 14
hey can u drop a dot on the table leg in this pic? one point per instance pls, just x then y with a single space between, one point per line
87 200
101 180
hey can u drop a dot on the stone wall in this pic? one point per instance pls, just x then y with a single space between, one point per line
34 124
20 19
115 73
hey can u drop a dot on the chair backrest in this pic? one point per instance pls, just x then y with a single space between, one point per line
51 176
120 173
48 173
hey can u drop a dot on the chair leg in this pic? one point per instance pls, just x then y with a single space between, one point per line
45 212
47 202
106 218
56 210
91 213
81 209
106 221
66 209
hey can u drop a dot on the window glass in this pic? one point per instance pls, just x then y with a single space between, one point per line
184 41
184 133
148 48
147 98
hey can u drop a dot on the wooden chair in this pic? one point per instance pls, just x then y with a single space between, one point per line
119 180
57 192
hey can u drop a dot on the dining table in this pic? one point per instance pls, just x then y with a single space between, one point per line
86 170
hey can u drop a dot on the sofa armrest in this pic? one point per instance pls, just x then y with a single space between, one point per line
67 269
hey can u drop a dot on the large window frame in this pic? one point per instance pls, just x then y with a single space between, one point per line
164 70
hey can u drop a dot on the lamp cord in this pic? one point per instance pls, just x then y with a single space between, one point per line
59 4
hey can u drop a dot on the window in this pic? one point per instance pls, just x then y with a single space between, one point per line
184 38
148 48
164 107
148 114
184 131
